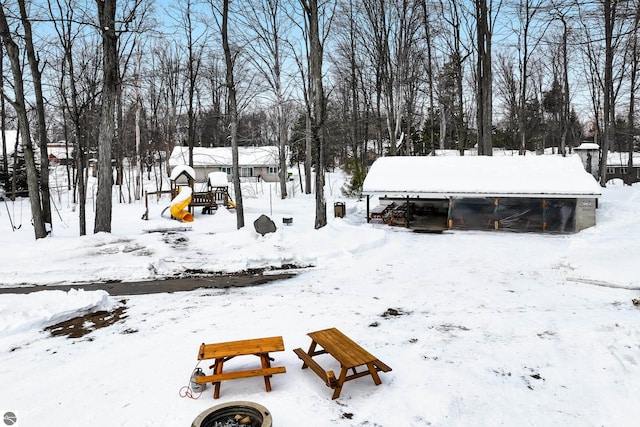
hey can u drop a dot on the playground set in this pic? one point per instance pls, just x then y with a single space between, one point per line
184 198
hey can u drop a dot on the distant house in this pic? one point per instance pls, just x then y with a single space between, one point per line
617 163
254 162
618 167
518 193
60 152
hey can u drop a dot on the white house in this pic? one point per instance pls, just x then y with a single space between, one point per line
254 162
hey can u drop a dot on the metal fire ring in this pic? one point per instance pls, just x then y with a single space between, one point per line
225 410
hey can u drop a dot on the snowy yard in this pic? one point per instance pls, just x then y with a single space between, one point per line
485 328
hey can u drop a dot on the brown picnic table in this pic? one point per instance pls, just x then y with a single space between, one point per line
347 352
225 351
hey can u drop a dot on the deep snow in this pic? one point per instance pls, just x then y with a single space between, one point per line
494 328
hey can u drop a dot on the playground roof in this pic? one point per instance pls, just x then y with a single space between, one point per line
218 179
180 169
221 156
480 176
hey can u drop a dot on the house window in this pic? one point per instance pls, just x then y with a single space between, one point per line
273 170
623 171
611 171
226 169
246 171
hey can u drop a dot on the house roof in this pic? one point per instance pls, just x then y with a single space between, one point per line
480 176
221 156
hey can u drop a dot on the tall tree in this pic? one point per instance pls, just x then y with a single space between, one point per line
20 106
452 13
634 53
318 112
36 75
428 39
529 36
230 58
266 25
3 121
484 78
75 104
107 133
194 61
380 30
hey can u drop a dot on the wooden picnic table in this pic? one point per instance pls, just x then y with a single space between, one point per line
347 352
225 351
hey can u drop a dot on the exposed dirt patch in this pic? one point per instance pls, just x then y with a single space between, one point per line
248 272
80 326
175 240
186 281
390 312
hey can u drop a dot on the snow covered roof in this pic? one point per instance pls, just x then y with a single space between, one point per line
587 146
515 176
221 156
176 171
218 179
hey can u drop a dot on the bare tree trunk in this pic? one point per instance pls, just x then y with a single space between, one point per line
609 7
264 18
64 24
566 100
106 136
428 40
193 68
308 144
484 80
319 110
3 121
36 75
633 81
139 189
233 114
19 104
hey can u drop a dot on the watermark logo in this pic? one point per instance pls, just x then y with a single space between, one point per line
10 419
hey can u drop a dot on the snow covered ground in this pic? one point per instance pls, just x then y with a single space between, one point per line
492 328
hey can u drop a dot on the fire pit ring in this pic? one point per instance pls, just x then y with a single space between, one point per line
234 413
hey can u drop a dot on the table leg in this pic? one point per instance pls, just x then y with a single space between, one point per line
216 385
266 363
338 389
312 349
374 373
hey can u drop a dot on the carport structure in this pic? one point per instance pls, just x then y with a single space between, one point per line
518 193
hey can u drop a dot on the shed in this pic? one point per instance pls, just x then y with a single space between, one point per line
520 193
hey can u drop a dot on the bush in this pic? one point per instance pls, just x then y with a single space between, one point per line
354 187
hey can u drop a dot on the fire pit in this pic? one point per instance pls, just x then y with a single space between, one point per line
234 414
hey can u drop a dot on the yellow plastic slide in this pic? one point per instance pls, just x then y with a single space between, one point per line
179 204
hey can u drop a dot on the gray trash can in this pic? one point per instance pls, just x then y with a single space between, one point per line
339 209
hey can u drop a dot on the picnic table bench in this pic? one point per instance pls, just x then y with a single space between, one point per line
348 353
382 212
225 351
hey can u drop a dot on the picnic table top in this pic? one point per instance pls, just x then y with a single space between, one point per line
237 348
342 348
381 208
